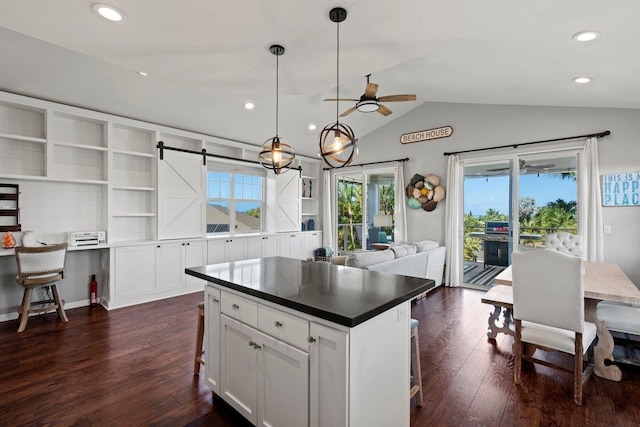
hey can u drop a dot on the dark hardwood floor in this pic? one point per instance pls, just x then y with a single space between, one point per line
133 367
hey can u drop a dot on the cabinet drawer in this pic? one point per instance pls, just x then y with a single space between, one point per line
284 327
239 308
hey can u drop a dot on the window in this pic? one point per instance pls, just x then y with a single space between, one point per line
235 202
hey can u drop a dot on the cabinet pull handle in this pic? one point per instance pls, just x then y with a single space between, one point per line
235 306
312 340
257 346
216 300
278 324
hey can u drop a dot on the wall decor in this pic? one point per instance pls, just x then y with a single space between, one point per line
425 135
424 192
621 189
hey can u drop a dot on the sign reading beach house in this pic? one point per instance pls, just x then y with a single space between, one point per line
424 135
621 189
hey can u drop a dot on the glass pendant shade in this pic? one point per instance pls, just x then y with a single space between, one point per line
276 155
337 145
337 141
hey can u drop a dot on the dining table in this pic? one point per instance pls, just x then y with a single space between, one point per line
603 281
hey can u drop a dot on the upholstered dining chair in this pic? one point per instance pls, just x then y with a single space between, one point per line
40 267
548 309
565 242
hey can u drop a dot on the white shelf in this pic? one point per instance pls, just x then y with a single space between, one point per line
132 188
134 153
134 214
22 138
82 146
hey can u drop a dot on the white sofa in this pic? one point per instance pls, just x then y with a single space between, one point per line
420 259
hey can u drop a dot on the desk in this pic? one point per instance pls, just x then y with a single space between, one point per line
602 281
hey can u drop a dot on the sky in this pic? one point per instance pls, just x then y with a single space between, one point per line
481 194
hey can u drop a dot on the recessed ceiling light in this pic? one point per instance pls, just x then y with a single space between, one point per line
248 105
312 126
109 12
586 36
582 80
142 73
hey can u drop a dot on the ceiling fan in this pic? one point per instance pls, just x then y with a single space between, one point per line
369 103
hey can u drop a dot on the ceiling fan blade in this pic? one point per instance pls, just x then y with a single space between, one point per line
349 111
341 99
397 98
371 90
384 110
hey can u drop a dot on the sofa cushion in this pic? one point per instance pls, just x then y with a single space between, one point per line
426 245
401 250
366 258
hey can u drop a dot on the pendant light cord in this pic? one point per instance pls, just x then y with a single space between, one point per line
337 69
277 90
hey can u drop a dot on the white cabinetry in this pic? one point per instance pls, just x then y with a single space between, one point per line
263 378
292 245
262 246
312 241
226 250
149 272
23 141
212 340
132 184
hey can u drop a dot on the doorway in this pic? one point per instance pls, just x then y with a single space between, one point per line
511 204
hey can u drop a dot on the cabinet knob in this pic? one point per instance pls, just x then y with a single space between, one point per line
188 244
252 344
278 324
158 246
312 340
216 300
235 306
257 346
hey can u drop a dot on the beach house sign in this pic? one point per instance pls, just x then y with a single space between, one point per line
425 135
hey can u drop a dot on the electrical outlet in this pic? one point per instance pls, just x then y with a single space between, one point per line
607 229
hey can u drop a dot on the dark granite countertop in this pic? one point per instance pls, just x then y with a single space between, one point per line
344 295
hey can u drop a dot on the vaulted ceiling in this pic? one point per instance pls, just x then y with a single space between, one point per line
206 58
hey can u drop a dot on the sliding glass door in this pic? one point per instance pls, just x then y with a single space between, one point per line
511 204
365 205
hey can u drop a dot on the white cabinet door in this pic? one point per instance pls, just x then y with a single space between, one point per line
254 247
181 196
328 374
216 251
135 270
195 255
288 217
212 340
236 249
283 384
312 241
170 271
292 245
239 367
270 246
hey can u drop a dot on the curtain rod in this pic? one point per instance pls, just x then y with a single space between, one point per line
204 155
591 135
406 159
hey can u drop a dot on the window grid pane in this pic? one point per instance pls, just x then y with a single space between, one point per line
239 211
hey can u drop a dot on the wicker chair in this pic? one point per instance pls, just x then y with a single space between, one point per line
40 267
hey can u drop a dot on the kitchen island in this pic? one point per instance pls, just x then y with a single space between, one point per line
297 343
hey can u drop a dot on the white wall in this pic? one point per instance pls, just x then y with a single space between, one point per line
477 126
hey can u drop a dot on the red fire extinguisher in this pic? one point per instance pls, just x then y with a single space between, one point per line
93 290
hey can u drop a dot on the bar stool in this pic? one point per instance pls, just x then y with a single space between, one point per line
416 372
199 360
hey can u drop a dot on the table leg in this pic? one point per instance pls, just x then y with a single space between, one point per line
604 349
494 328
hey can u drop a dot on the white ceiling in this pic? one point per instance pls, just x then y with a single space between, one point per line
205 58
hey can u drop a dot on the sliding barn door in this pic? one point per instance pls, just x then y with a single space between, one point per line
181 196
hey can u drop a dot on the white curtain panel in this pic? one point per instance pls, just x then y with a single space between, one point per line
327 212
400 230
454 225
590 215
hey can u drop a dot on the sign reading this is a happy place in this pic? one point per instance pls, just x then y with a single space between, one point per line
621 189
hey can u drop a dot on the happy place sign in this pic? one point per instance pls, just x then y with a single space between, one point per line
621 189
425 135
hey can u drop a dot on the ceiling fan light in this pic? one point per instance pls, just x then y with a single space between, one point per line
368 106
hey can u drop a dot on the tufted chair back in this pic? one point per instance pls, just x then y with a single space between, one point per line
567 243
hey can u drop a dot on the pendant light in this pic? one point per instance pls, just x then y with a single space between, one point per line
276 154
337 141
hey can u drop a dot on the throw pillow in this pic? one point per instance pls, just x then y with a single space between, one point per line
426 245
